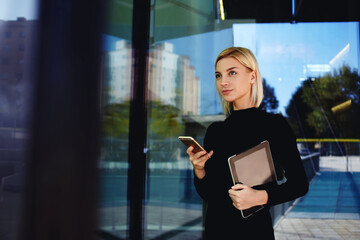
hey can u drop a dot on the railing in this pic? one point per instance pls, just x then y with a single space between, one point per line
179 174
311 166
179 188
341 147
320 147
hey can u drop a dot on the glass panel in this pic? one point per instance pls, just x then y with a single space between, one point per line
18 40
308 69
310 74
116 78
173 209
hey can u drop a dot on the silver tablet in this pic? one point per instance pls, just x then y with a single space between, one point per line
253 167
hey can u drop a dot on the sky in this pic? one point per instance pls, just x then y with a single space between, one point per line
287 54
290 53
12 9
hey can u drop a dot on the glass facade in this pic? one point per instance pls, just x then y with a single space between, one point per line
182 100
310 68
116 78
18 54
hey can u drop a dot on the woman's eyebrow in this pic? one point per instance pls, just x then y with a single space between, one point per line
231 68
227 70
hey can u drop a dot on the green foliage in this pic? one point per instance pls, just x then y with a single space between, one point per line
297 111
318 121
116 120
164 124
323 93
164 120
270 102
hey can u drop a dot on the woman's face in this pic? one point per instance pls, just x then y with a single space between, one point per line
234 81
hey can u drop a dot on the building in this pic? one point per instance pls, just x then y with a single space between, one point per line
190 88
17 46
117 71
171 78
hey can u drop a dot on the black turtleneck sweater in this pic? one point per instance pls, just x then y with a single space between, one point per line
242 130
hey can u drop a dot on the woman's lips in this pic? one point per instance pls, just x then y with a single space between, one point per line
225 92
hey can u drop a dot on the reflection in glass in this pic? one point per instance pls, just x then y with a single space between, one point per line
173 208
114 157
116 79
308 69
290 56
18 41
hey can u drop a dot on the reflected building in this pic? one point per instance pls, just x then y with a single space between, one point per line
117 70
16 70
190 88
172 80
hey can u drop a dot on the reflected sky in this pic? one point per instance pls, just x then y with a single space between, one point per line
291 53
287 54
12 9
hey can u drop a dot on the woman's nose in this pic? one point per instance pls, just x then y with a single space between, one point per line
224 81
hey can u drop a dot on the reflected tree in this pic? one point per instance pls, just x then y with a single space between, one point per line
116 120
269 102
310 110
297 111
164 125
164 120
324 93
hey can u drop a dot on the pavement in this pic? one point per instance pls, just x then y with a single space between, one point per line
331 209
309 229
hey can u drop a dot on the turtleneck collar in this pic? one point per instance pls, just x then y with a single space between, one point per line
238 118
243 111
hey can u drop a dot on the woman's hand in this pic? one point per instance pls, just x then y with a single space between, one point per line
245 197
198 161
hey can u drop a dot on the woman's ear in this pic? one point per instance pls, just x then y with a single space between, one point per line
253 77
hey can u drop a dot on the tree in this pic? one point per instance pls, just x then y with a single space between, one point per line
328 91
164 124
297 111
162 118
270 102
165 121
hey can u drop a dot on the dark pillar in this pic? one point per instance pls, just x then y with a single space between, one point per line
138 118
62 186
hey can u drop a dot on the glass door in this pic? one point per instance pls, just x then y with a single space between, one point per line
116 78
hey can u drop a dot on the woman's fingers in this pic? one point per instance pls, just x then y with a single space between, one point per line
239 196
198 159
189 150
238 186
198 155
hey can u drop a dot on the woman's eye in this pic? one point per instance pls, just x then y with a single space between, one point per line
217 76
232 73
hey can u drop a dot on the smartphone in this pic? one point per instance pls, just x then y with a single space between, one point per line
189 141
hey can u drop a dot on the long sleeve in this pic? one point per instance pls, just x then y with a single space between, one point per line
203 186
242 130
286 156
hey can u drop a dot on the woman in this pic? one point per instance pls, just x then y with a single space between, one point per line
239 84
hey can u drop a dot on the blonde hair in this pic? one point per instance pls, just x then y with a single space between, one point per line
247 59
